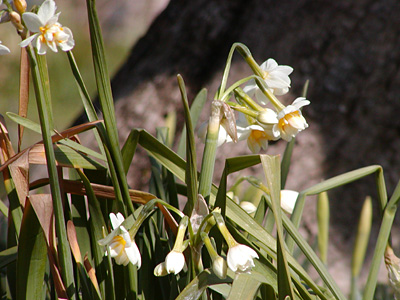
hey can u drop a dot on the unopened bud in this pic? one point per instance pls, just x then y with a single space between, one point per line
20 5
267 117
16 20
160 270
220 267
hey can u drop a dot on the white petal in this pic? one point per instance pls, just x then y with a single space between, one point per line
287 70
133 255
32 21
41 47
253 146
174 262
288 200
300 102
53 20
116 220
52 45
240 258
287 110
250 87
261 98
27 41
47 10
277 82
269 65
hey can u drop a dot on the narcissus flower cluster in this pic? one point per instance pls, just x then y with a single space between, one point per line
256 123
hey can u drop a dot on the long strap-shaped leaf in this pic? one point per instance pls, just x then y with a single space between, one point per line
42 91
191 167
272 171
106 102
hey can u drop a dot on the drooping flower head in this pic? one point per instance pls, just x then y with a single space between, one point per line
240 258
3 49
291 120
174 262
122 248
48 33
276 78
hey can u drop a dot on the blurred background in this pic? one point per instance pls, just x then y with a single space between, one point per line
123 23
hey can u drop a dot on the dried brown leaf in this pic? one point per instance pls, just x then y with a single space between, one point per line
19 171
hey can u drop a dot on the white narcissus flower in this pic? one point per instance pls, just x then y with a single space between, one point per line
121 247
276 78
288 200
48 33
291 120
3 49
240 258
174 262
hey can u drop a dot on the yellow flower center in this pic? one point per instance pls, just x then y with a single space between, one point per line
257 135
119 239
283 122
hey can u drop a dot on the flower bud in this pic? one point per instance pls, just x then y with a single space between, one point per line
267 117
220 267
16 20
20 5
160 270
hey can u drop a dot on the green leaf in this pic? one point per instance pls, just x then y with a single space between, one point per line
129 149
198 285
244 287
42 92
195 111
32 257
107 105
191 165
272 173
8 256
67 156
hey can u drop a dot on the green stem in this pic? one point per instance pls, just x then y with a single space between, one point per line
210 248
224 230
246 99
181 234
43 103
210 148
